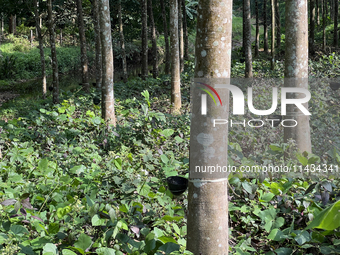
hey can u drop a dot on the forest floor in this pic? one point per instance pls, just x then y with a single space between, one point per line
7 95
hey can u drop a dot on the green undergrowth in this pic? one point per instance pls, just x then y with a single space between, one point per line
72 184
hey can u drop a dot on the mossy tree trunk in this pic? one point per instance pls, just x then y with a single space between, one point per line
265 28
84 61
53 53
145 71
98 61
108 109
166 40
154 41
296 70
41 48
247 39
175 59
122 41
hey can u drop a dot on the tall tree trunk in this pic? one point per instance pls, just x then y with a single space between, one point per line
108 108
180 36
331 9
296 70
41 48
98 60
12 24
53 53
167 50
84 61
326 10
185 32
207 212
324 7
257 37
317 12
312 26
265 27
144 39
247 39
61 37
175 59
154 42
336 17
278 24
122 43
272 62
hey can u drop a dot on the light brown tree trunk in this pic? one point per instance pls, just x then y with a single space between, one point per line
180 36
272 62
122 43
61 37
208 193
257 37
296 70
84 61
265 28
13 24
278 24
324 41
336 18
167 50
154 42
98 60
144 39
318 12
185 32
41 48
312 26
175 59
247 38
108 108
53 53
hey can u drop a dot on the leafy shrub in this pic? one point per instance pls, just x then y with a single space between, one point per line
7 65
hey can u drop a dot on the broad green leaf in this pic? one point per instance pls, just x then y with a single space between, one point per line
118 163
97 221
164 159
50 248
105 251
169 247
247 187
53 228
42 165
19 230
302 238
276 235
172 218
167 132
84 242
328 219
68 252
266 197
61 212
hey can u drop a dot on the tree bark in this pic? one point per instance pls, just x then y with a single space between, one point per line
12 24
98 60
265 28
154 42
324 7
84 61
278 24
122 41
185 32
272 62
41 48
144 39
257 37
296 70
208 193
247 38
180 36
53 53
108 109
317 12
167 50
312 27
175 59
336 17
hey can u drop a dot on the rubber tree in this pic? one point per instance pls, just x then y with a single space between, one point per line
185 32
324 41
272 61
336 18
98 60
108 110
278 23
53 53
312 26
144 4
296 70
180 36
83 52
247 39
265 27
166 40
154 41
207 216
41 47
122 41
257 36
175 59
